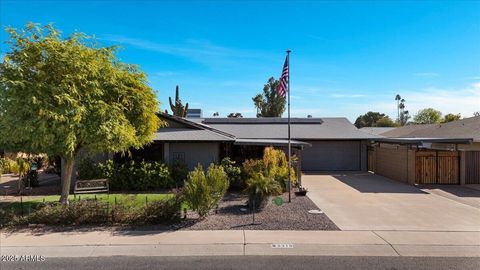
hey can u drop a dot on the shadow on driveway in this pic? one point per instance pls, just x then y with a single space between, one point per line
365 183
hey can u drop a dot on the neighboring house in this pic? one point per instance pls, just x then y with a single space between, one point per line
446 153
321 144
377 130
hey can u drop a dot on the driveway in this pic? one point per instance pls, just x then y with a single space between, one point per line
364 201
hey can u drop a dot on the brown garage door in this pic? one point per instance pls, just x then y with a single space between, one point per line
437 167
472 166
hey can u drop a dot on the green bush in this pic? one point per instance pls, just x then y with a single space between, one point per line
8 165
139 176
90 212
203 191
274 165
88 170
267 176
164 211
179 172
128 176
234 173
252 167
260 187
76 213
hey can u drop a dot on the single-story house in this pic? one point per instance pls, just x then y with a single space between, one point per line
321 144
447 153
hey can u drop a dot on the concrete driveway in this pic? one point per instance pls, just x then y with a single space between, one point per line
364 201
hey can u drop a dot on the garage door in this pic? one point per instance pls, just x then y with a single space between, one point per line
332 156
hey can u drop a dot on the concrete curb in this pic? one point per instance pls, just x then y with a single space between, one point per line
238 243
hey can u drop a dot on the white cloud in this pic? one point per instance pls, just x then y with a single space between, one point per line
201 51
462 100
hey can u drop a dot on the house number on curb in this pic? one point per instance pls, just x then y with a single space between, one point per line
282 245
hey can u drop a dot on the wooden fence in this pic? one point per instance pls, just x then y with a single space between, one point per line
437 167
472 167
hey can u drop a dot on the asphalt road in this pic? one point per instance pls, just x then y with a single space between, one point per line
249 262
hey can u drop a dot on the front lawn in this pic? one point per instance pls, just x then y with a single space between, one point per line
130 200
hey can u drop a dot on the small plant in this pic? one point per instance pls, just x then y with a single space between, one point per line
233 172
7 165
260 187
164 211
203 191
274 165
179 172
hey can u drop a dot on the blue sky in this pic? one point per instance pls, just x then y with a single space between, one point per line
348 57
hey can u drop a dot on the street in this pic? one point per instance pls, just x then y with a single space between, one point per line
249 262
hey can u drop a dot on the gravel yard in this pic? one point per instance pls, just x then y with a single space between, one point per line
289 216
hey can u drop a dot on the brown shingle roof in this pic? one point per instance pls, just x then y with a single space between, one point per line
465 128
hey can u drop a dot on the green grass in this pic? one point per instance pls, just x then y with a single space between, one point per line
131 200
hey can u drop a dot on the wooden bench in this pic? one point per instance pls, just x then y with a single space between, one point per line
91 186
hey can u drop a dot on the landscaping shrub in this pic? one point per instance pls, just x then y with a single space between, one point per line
76 213
128 176
268 176
179 172
140 176
90 211
203 191
252 167
274 165
8 165
260 187
234 173
164 211
88 169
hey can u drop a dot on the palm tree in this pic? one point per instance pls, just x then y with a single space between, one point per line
258 100
397 98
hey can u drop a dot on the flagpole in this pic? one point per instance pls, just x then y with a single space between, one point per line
289 135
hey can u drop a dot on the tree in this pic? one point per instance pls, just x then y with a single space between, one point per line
398 98
270 103
216 114
385 122
449 117
404 115
476 114
371 119
428 116
178 109
235 115
22 167
62 95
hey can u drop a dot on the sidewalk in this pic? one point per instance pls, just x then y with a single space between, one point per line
239 243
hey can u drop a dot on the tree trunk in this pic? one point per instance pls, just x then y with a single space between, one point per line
66 178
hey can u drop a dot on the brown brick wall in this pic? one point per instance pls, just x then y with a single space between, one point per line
391 162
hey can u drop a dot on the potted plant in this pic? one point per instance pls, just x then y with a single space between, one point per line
301 191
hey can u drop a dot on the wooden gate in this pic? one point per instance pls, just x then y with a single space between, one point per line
437 167
472 167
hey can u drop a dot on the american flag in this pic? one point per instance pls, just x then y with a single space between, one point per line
283 83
